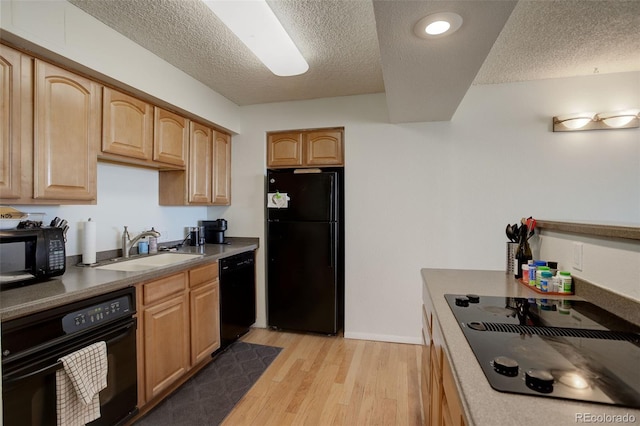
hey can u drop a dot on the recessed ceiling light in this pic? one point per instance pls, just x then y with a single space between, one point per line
438 25
255 24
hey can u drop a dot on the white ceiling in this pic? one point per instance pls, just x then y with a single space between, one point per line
368 46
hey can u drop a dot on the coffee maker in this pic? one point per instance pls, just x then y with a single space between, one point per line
214 231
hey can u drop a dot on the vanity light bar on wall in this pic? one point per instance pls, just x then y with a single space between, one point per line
255 24
626 119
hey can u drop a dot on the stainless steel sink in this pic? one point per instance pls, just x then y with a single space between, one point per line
149 262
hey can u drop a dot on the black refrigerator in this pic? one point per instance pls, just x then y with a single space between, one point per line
305 250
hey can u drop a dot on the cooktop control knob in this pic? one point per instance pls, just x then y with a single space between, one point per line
539 380
505 366
473 298
462 301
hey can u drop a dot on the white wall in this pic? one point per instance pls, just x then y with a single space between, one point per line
440 194
611 261
126 196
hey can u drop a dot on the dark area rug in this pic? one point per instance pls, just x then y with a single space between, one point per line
211 394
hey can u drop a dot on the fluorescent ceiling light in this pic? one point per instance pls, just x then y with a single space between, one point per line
255 24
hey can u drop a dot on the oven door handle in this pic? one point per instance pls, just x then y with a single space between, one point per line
58 364
53 367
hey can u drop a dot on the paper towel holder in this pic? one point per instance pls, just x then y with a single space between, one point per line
89 255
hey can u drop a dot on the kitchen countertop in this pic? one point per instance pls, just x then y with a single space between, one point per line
79 283
482 404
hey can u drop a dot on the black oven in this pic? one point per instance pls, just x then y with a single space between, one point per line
33 345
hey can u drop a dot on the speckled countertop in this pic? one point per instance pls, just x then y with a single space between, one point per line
79 283
482 404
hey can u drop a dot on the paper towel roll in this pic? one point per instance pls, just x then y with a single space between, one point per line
89 243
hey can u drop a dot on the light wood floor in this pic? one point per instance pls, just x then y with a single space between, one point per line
320 380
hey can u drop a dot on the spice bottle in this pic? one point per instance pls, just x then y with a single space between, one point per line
565 282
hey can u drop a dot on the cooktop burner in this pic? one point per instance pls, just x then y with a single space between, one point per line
568 349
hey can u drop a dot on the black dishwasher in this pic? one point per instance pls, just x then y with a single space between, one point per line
237 296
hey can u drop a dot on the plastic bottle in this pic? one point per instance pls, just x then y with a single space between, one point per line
533 271
539 272
545 281
565 282
525 273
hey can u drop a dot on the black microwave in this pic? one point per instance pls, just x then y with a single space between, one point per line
28 255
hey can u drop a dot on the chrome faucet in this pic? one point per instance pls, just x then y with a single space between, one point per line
128 243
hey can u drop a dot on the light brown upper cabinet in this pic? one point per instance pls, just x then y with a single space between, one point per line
323 148
171 138
200 164
67 118
10 122
221 169
207 178
127 126
306 148
284 149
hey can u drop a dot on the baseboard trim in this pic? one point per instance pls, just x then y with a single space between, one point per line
383 338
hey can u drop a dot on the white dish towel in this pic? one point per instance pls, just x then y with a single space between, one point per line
79 383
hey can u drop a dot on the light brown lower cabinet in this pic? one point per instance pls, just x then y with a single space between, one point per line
441 403
205 312
166 333
178 330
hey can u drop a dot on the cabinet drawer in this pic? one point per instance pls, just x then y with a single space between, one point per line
159 289
203 274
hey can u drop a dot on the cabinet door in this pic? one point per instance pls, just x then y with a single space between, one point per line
453 410
436 392
323 148
221 169
205 321
67 122
200 164
127 125
166 343
10 130
171 135
284 150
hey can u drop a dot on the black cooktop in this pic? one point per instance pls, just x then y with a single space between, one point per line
552 348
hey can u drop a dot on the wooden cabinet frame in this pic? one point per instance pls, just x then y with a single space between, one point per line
207 177
178 330
440 399
127 126
306 148
67 123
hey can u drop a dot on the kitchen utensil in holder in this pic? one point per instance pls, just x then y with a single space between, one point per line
511 256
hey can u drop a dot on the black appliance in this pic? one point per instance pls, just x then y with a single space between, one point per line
552 348
305 250
32 346
31 255
214 231
237 296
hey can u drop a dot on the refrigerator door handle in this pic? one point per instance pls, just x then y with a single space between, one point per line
332 248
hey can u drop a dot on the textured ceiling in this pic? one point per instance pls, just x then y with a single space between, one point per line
364 46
